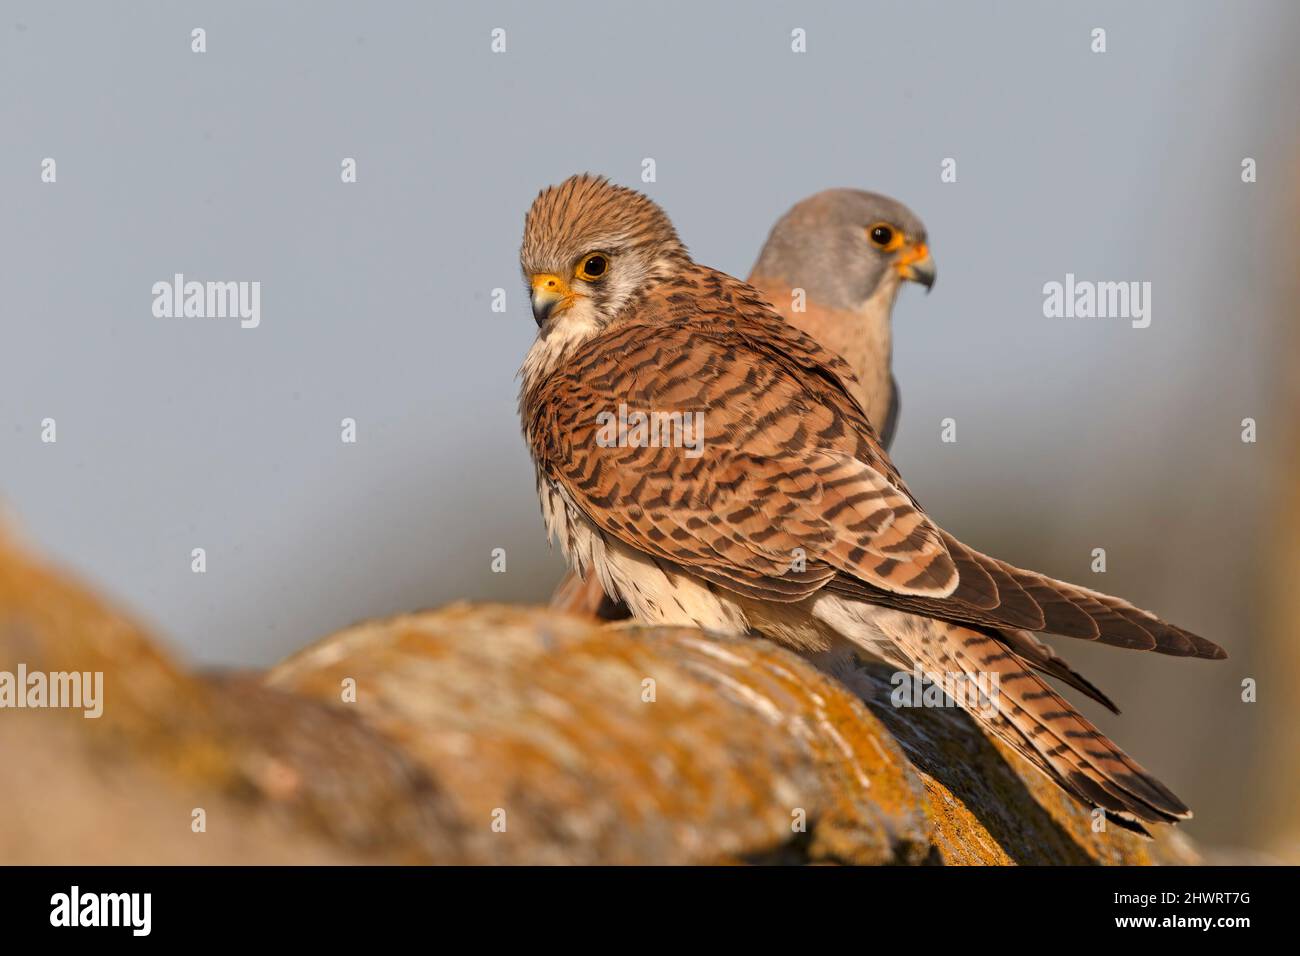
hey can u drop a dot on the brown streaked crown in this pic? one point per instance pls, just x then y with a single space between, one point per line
586 213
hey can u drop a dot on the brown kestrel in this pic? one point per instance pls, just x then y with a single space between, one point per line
710 463
833 266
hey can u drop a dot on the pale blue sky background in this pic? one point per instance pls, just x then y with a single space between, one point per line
1072 435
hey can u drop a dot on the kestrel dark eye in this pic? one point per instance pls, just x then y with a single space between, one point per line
885 237
592 267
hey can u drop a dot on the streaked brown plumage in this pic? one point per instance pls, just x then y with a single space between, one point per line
792 522
820 272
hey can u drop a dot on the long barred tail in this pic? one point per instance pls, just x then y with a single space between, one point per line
1026 713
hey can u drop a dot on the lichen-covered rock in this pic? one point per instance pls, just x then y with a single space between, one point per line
540 718
563 741
491 734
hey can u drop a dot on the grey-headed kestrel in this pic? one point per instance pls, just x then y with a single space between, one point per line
842 255
782 515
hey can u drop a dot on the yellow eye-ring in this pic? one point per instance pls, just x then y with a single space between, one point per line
885 236
593 266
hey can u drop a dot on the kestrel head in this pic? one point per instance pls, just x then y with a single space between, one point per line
846 246
589 247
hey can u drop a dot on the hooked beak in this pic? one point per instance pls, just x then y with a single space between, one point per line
915 265
549 291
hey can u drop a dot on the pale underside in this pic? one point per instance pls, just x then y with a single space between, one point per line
657 591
